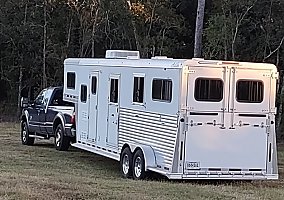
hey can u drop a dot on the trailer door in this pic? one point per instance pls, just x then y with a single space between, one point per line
248 110
207 103
113 109
231 137
83 114
93 108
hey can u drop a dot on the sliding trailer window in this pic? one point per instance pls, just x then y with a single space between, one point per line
113 90
138 89
83 96
71 80
249 91
208 89
162 90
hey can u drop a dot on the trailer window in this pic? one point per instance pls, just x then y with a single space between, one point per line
113 90
249 91
162 90
83 93
138 89
94 85
71 76
208 89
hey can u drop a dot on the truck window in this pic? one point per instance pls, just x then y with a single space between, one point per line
249 91
113 90
58 99
162 90
138 89
71 78
208 89
83 94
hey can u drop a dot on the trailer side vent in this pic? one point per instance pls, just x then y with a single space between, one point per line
122 54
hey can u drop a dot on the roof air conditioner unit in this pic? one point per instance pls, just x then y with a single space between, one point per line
122 54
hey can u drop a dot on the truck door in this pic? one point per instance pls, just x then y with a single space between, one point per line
45 124
93 107
35 111
113 109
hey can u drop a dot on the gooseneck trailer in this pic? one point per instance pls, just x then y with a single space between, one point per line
183 118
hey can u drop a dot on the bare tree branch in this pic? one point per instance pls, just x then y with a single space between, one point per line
275 50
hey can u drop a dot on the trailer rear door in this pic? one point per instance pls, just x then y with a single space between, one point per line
228 133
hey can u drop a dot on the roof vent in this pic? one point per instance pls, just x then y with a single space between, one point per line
160 58
122 54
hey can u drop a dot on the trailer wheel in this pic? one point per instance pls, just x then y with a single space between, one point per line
25 134
139 165
61 141
126 163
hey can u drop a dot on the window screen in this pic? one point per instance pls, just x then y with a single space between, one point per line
94 85
71 80
249 91
138 89
113 90
208 89
83 93
162 90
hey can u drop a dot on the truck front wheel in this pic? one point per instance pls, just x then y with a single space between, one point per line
25 134
61 141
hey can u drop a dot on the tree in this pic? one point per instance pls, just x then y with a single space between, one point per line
199 28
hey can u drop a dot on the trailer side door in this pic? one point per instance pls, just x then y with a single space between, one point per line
113 109
93 107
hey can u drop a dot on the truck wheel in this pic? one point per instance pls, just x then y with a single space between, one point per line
26 139
126 163
139 165
61 141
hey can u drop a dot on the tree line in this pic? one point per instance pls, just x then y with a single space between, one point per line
37 35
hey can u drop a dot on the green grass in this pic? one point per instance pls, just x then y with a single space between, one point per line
41 172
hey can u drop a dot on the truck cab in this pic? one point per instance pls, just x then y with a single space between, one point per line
48 116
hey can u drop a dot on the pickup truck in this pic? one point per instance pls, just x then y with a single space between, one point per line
48 116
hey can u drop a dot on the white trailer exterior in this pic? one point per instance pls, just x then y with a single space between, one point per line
187 119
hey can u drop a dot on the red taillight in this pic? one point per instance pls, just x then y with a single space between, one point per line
73 118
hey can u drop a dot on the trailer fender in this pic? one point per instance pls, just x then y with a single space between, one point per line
149 155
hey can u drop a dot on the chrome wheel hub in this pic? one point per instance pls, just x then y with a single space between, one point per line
24 136
125 164
138 167
58 138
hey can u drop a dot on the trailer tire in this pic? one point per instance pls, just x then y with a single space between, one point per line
61 141
126 160
139 165
25 134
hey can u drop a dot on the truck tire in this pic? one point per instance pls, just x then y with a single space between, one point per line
126 163
61 141
25 134
139 165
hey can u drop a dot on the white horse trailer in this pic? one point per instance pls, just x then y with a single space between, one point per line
185 119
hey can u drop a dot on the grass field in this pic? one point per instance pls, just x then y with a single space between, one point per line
41 172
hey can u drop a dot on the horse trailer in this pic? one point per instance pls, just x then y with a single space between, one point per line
182 118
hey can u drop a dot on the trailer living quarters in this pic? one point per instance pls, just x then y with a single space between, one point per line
185 119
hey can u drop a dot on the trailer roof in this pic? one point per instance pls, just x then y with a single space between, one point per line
163 62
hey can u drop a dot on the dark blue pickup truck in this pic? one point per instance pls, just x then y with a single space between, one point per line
48 116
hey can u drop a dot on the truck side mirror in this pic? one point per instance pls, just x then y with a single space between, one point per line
24 102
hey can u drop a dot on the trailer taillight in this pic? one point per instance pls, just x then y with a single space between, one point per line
73 118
